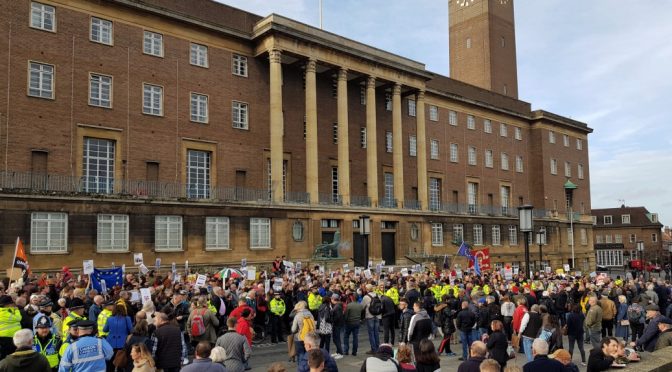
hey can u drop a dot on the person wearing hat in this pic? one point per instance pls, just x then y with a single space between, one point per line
72 337
10 323
88 353
46 342
45 307
665 336
76 313
101 320
277 311
651 332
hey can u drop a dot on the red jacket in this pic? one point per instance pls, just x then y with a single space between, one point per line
238 312
243 328
518 317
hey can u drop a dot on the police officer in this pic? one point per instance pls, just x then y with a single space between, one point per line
10 323
44 309
72 337
88 353
277 311
46 342
314 300
76 313
102 317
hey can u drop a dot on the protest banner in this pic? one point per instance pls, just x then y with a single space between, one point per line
137 259
87 267
200 281
146 295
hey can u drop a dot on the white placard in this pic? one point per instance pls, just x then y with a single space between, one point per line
298 266
267 286
143 269
243 262
346 267
548 269
146 295
251 273
103 286
516 271
137 259
358 271
367 274
321 269
157 263
379 269
566 267
370 264
87 267
186 267
593 274
459 274
277 284
390 269
200 280
508 274
404 271
135 296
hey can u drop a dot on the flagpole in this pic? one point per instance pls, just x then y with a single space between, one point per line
16 247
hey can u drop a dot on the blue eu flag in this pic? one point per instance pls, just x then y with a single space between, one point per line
111 277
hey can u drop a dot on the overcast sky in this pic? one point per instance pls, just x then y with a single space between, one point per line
604 62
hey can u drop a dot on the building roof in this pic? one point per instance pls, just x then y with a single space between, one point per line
639 217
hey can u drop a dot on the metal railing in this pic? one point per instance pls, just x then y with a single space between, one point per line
360 201
331 199
389 203
411 204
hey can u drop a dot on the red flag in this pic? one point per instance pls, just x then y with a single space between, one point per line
20 259
483 257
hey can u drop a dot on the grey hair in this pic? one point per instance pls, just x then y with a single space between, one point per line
218 354
535 308
540 346
313 339
23 338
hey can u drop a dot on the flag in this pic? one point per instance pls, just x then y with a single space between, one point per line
446 265
20 259
483 256
477 266
464 250
111 277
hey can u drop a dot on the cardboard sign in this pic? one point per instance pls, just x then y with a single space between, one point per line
146 295
287 264
367 274
200 281
251 273
566 267
87 267
243 262
137 259
143 269
157 264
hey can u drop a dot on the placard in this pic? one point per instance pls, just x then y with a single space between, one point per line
173 268
103 286
593 274
370 264
137 259
298 266
559 271
367 274
459 274
277 284
135 296
358 271
548 270
287 264
146 295
508 273
566 267
346 267
200 281
157 263
186 267
251 273
404 272
379 269
267 286
243 262
143 269
87 267
321 269
516 271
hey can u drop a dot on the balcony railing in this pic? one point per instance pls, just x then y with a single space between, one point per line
360 201
411 204
389 203
331 199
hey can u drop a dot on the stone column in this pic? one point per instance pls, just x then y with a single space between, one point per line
311 133
343 146
422 150
371 144
397 146
275 57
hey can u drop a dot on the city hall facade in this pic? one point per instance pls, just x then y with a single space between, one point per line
197 131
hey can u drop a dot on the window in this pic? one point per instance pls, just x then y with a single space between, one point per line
452 118
489 162
468 42
362 95
618 238
199 108
284 178
332 223
335 197
496 235
625 218
503 131
168 233
101 31
519 164
434 149
471 155
609 257
607 238
41 82
98 165
453 153
239 65
388 179
437 234
260 233
100 90
579 144
198 174
487 126
334 133
565 140
554 166
654 217
518 133
152 99
153 44
412 145
458 232
112 233
568 169
478 234
471 122
594 218
654 237
434 194
433 113
579 170
198 55
239 112
472 197
633 238
584 236
607 220
388 101
570 236
42 16
216 233
411 107
362 137
505 161
599 239
48 232
388 141
513 235
551 136
505 199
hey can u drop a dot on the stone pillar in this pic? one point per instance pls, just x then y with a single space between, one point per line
276 125
343 146
311 133
397 146
371 144
422 150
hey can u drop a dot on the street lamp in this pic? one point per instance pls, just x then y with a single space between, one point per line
569 196
365 231
640 249
525 225
541 240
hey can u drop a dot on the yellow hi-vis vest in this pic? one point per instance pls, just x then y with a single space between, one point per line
102 319
393 294
49 350
69 319
211 307
10 321
314 301
278 306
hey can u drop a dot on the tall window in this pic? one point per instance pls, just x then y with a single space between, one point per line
168 233
570 236
198 55
513 235
239 113
579 170
389 189
518 133
98 165
198 174
100 90
607 238
437 234
48 232
579 144
41 83
633 238
362 137
505 161
42 16
362 94
334 133
216 233
152 99
284 178
239 65
568 169
472 197
584 237
152 44
608 220
199 108
112 233
101 31
388 141
565 140
503 131
554 166
487 126
519 164
471 122
618 238
654 237
551 136
411 107
453 153
434 149
335 197
388 101
488 159
471 155
496 235
458 232
434 194
260 233
505 198
433 113
412 145
478 234
452 118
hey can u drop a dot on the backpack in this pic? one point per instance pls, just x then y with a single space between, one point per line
308 325
635 313
376 306
198 325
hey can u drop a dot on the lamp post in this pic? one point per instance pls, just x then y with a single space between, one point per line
569 196
541 241
525 226
365 231
640 249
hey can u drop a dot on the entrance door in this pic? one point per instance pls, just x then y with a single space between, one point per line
389 248
359 254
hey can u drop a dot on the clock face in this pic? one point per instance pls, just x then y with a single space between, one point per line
465 2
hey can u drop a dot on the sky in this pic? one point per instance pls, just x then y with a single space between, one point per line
603 62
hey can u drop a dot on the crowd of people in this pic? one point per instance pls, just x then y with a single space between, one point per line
61 323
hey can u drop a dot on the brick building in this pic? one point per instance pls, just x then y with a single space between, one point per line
194 130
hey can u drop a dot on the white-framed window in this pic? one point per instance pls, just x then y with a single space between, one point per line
505 198
458 232
198 174
239 115
570 236
468 43
217 233
239 65
513 235
503 130
260 233
412 145
505 161
519 164
362 95
478 234
100 90
101 31
434 193
198 55
654 217
152 99
388 189
437 234
471 122
434 149
565 140
489 161
496 235
454 153
618 238
48 232
471 155
579 144
168 233
335 195
411 107
594 218
551 136
654 238
625 219
98 165
152 44
452 118
334 133
487 126
42 16
608 220
362 137
584 236
199 108
433 113
568 169
607 238
518 133
579 171
609 257
269 185
388 141
472 197
112 233
333 223
41 80
554 166
388 101
633 238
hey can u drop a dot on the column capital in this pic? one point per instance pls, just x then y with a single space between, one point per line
311 64
275 55
343 74
397 89
371 82
420 96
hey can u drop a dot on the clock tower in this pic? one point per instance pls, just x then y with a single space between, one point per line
483 44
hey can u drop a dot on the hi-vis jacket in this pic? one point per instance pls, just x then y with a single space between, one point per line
87 354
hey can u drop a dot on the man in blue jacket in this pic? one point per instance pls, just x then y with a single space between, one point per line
88 353
312 341
648 340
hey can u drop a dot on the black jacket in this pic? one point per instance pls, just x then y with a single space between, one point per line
471 365
169 346
497 345
575 325
543 363
483 317
405 322
337 317
412 296
388 306
597 361
465 320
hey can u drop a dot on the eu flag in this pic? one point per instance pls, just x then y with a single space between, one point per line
464 250
112 277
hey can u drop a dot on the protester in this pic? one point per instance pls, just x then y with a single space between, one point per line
622 322
601 358
382 361
427 359
303 323
530 327
405 358
168 346
651 332
25 359
237 349
489 365
202 323
353 317
497 343
477 352
563 356
312 342
373 308
202 361
141 358
338 324
665 336
541 361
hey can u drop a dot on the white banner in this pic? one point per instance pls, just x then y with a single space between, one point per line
200 281
146 295
137 259
87 267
